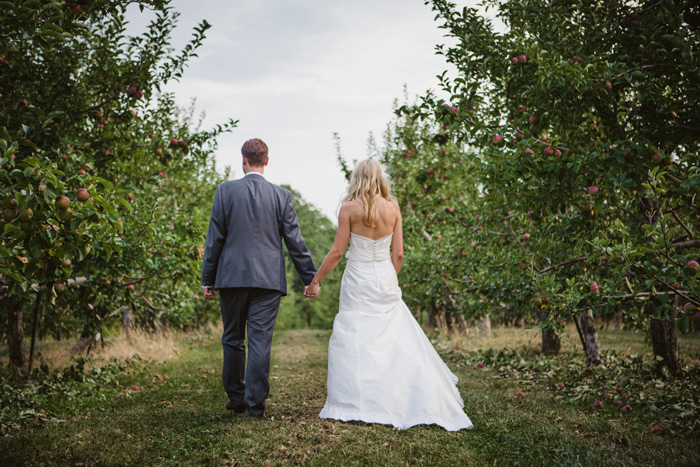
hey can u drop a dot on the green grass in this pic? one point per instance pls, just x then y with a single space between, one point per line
181 421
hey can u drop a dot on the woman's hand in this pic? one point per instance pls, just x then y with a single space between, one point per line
312 290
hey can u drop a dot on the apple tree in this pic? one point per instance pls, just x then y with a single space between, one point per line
585 142
105 184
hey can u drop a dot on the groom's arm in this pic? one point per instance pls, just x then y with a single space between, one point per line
216 235
295 243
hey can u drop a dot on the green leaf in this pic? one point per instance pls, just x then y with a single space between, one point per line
691 182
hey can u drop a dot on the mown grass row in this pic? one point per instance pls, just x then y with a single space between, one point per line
175 416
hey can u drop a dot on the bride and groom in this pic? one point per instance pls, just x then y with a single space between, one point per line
381 366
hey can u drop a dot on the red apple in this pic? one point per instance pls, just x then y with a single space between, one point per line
522 59
497 140
514 60
82 172
656 158
593 190
82 195
692 267
526 236
548 151
597 404
557 153
62 203
594 288
608 85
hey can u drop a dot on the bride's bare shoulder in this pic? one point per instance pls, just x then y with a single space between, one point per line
351 207
394 205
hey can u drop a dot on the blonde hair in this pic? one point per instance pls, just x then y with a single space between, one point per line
366 183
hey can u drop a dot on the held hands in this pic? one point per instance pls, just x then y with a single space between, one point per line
312 290
208 293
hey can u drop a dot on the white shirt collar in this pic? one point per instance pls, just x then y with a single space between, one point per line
255 173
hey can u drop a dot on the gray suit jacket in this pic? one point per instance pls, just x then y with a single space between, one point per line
249 219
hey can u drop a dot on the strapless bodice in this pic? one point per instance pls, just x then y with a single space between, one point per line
367 250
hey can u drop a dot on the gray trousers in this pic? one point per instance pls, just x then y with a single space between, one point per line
256 308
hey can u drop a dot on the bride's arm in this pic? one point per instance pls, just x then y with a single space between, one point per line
334 256
397 243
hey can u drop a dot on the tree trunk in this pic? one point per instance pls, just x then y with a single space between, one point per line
447 314
15 333
663 334
127 322
590 339
551 342
617 320
433 317
484 325
665 342
35 325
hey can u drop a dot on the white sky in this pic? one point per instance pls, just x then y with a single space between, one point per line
294 72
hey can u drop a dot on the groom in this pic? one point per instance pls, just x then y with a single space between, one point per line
244 261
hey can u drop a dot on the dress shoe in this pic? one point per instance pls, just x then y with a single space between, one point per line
238 408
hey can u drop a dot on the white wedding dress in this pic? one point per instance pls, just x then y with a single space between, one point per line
381 366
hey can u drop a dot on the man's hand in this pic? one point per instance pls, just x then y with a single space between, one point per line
208 293
312 290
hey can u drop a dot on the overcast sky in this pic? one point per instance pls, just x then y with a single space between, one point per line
294 72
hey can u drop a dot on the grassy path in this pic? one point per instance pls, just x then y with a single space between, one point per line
180 421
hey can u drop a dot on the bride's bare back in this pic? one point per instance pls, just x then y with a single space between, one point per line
350 221
386 220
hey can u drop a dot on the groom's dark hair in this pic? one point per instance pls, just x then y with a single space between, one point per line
255 152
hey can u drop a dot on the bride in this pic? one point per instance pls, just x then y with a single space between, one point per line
381 366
